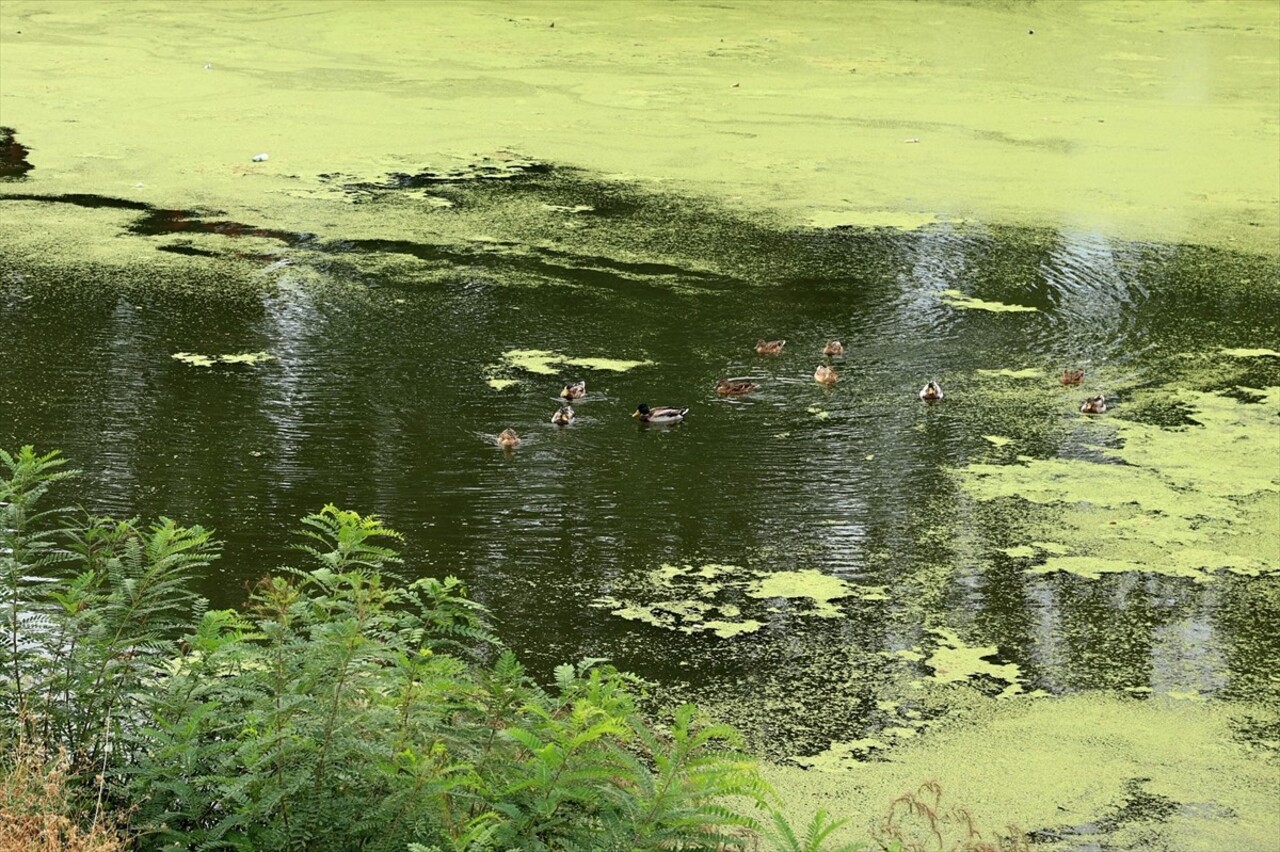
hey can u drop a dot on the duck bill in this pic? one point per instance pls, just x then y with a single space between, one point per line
636 413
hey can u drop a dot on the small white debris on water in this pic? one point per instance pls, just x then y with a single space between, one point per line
208 66
912 140
261 158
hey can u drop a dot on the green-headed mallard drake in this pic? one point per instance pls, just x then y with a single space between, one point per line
1094 405
931 392
661 414
577 390
1071 377
769 347
833 349
564 416
735 387
508 438
824 375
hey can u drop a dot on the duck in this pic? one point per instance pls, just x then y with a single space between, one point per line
833 349
931 392
735 387
824 375
769 347
564 416
1071 377
508 438
1094 405
661 414
577 390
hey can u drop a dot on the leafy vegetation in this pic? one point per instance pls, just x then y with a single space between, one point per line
343 708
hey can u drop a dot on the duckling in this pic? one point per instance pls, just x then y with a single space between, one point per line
577 390
1071 377
662 414
508 438
769 347
1094 405
564 416
833 349
735 387
824 375
931 392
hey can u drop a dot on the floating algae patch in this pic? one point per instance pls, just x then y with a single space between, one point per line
1251 353
501 384
537 361
542 361
1081 770
959 300
707 595
821 588
684 616
1184 501
1028 373
998 440
246 358
954 661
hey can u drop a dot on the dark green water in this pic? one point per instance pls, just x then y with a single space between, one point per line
377 401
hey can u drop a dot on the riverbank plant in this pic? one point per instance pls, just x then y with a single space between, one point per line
342 708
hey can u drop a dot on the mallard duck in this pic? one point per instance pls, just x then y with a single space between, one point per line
1071 377
508 438
577 390
931 392
769 347
564 416
735 387
833 349
824 375
661 414
1094 405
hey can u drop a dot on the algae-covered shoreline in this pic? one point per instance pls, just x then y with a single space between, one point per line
1151 121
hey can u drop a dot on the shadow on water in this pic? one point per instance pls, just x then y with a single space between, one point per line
378 398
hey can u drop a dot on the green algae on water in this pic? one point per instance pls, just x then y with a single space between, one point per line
246 358
1062 764
703 606
542 361
821 588
954 661
1176 501
956 299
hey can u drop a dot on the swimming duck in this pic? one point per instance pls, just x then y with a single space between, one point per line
931 392
661 414
833 349
735 387
824 375
1071 377
577 390
564 416
769 347
508 438
1094 405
